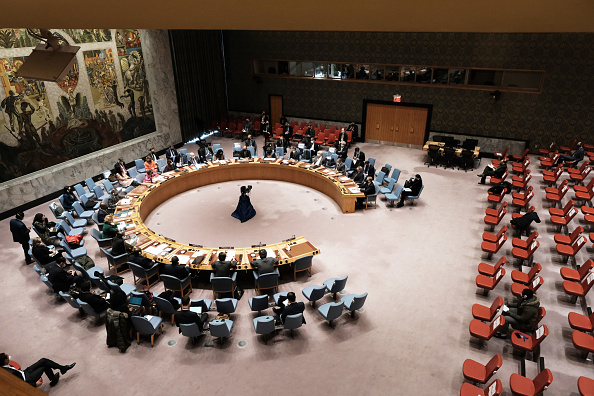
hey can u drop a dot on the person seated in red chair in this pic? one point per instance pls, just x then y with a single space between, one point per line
574 158
287 305
493 172
412 187
523 316
32 374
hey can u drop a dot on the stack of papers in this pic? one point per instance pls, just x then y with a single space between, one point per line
354 190
344 178
270 253
125 201
183 259
269 159
156 250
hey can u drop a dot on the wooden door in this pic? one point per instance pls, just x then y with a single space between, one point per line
276 109
398 124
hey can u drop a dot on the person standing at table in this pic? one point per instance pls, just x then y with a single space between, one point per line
264 265
20 234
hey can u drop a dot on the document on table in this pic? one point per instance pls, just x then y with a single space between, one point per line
125 201
269 159
200 253
344 178
183 259
270 253
156 250
230 254
354 190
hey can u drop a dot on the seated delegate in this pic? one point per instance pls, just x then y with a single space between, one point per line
412 187
264 265
174 269
221 267
287 305
185 316
32 374
491 171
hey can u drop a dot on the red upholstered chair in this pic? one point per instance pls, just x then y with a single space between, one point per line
317 131
278 133
557 190
520 182
568 251
491 270
585 188
494 199
523 244
490 237
579 178
555 198
578 170
550 161
484 331
545 151
576 289
562 211
488 283
521 200
486 314
331 139
526 254
493 220
277 125
581 322
349 136
493 247
479 373
586 386
534 285
323 127
529 343
494 389
515 216
551 177
563 221
321 138
582 341
577 276
520 157
239 130
526 278
257 126
585 196
495 180
523 386
495 212
521 167
231 127
297 136
502 154
302 125
293 123
569 148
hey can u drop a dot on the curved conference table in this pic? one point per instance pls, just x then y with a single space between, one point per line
141 201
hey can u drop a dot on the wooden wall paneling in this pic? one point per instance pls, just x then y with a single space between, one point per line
276 109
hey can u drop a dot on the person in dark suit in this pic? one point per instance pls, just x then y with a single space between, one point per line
354 129
153 155
491 171
342 137
118 247
359 176
368 188
264 265
32 374
342 151
314 147
287 305
222 267
185 316
575 158
319 159
287 131
193 160
68 198
369 170
266 131
283 120
249 142
42 253
282 142
340 166
172 154
358 157
310 132
20 234
136 258
62 280
174 269
102 212
412 187
98 303
264 118
295 154
244 153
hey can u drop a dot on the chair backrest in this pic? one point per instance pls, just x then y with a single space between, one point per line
87 308
183 151
268 280
90 184
220 328
585 268
70 300
536 268
539 335
258 303
380 177
38 270
398 190
371 161
96 234
226 305
542 381
171 282
78 208
108 186
339 284
391 185
80 191
396 174
64 226
358 302
419 194
161 164
493 365
502 230
280 152
190 330
252 151
578 244
499 264
139 165
303 263
531 238
496 324
132 173
137 270
142 325
497 303
163 305
222 283
69 218
348 163
293 321
98 192
334 310
95 218
216 147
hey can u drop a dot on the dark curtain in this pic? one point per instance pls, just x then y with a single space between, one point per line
199 79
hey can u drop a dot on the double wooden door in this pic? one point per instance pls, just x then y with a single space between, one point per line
398 124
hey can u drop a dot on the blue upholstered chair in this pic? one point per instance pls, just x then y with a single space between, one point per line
72 254
335 285
372 198
183 286
395 176
222 284
70 231
220 328
84 201
90 185
371 161
258 303
165 307
150 276
395 196
126 288
92 275
331 311
139 166
53 206
80 191
145 326
40 271
119 263
190 330
353 302
280 152
388 190
70 300
302 264
276 296
81 223
389 167
99 193
264 325
161 164
412 198
95 219
90 311
226 305
102 242
379 178
314 293
293 322
47 283
132 173
266 281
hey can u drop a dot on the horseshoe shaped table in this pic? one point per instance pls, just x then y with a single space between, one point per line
141 201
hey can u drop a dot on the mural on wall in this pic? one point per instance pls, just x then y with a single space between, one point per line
82 36
91 110
16 38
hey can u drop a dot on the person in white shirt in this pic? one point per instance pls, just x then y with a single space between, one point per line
32 374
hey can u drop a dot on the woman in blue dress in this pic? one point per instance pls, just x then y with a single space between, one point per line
244 210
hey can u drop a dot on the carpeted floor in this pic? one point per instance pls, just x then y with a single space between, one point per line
418 264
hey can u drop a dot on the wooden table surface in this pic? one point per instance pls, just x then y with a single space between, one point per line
139 203
442 144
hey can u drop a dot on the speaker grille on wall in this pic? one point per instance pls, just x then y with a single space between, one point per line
48 64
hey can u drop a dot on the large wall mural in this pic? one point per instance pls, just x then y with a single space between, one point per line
103 100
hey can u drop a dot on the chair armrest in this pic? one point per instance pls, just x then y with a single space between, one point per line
234 276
